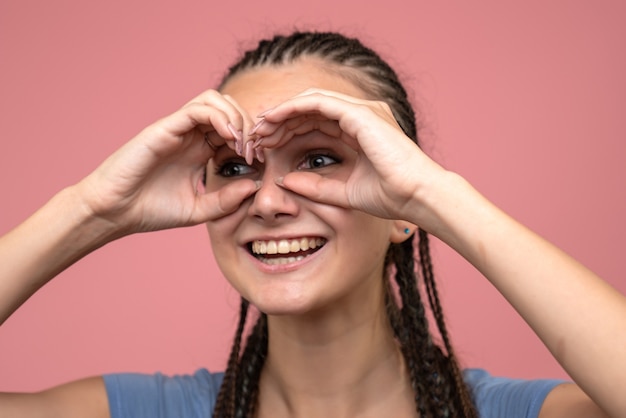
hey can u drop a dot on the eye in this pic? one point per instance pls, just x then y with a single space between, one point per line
233 169
317 160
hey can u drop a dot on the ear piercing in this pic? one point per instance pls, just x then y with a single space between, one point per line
407 231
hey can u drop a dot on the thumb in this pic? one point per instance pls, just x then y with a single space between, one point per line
226 200
317 188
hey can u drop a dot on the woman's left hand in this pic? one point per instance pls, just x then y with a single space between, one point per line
390 167
394 179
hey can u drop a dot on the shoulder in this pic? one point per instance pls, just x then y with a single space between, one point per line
133 394
499 396
569 401
190 396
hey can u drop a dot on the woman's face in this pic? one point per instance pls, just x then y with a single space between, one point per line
282 252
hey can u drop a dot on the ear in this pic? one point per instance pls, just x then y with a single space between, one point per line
401 231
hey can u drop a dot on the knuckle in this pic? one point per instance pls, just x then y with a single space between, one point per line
385 106
211 93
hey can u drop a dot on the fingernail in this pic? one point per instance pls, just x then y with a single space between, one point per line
279 181
265 113
257 126
258 142
258 184
249 153
237 134
259 154
238 147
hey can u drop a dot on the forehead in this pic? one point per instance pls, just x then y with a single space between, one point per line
261 88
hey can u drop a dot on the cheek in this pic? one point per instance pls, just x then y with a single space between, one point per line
357 231
222 233
224 247
372 238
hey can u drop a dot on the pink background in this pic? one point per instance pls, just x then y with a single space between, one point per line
526 100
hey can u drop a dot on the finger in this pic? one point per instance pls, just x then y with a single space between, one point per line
283 132
266 128
242 137
352 117
317 188
378 107
211 142
311 101
225 200
236 119
196 115
214 98
331 93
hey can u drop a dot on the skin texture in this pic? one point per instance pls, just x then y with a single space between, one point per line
335 166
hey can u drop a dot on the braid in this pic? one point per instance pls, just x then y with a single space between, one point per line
414 337
239 390
435 306
435 376
227 397
252 358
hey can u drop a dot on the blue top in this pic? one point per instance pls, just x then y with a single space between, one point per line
193 396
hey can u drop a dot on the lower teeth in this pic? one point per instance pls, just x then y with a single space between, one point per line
280 260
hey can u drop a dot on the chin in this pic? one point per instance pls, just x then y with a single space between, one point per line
281 304
282 308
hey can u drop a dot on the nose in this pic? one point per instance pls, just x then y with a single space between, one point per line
271 202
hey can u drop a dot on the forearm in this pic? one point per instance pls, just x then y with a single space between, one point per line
53 238
580 318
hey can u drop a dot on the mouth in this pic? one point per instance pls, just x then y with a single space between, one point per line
285 251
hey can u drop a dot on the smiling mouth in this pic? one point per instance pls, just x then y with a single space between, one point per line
285 251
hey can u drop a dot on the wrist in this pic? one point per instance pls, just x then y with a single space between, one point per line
83 228
450 208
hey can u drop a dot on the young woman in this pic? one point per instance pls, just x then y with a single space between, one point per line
305 167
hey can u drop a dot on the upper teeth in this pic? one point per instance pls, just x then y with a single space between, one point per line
285 246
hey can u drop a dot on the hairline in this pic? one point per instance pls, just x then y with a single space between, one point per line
352 74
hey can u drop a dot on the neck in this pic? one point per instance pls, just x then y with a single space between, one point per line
343 363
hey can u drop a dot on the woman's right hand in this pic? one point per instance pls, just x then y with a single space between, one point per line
155 181
152 182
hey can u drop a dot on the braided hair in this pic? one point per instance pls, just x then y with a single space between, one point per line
434 372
